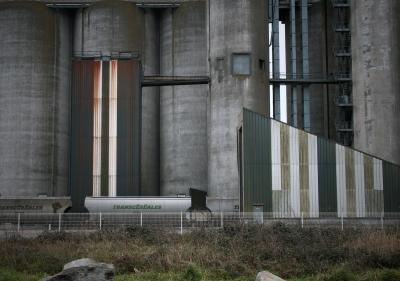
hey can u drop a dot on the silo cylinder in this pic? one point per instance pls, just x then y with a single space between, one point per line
34 114
183 133
238 69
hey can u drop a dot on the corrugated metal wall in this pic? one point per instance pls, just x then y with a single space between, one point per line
82 102
129 128
257 157
305 175
106 126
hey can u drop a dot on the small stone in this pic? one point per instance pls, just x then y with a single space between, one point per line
267 276
84 270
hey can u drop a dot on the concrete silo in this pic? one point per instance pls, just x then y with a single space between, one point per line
109 37
34 102
238 69
375 67
183 112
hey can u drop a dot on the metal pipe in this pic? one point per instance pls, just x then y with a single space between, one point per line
306 68
275 60
294 61
152 81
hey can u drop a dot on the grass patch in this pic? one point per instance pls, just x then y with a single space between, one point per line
346 274
12 275
232 253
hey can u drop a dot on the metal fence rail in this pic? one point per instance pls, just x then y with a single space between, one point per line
23 222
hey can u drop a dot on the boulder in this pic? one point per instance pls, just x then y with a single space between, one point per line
267 276
84 270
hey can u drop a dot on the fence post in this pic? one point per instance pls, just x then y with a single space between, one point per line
19 222
59 222
181 223
382 220
342 222
141 219
222 220
302 220
100 221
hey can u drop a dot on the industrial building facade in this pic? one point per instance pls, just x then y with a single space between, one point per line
291 173
142 98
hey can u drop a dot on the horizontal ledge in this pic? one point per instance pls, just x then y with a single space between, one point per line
306 81
153 81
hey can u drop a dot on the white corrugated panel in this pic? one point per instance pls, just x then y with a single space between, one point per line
378 174
112 164
341 181
276 155
313 175
294 171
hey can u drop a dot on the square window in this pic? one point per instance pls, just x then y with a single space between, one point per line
241 64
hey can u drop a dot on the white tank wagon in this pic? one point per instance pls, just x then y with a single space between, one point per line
162 204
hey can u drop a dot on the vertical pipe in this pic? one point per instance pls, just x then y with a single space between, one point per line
304 42
100 223
141 219
222 220
19 222
181 223
275 60
97 124
302 220
112 166
59 222
293 61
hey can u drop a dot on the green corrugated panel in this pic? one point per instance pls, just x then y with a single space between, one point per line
327 176
391 187
257 161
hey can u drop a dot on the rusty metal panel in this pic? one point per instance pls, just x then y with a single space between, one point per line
104 127
128 128
97 126
112 130
82 131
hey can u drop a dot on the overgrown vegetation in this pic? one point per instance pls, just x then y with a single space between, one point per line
232 253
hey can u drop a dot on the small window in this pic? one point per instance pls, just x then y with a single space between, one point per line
241 64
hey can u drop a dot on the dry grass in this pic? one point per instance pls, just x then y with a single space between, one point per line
231 252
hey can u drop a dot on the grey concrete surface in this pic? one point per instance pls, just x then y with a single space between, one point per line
150 160
235 26
184 108
376 83
109 26
33 103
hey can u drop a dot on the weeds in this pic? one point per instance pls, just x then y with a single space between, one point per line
229 253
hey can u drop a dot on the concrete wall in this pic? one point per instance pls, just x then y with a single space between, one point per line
375 70
235 26
34 102
184 108
109 26
150 170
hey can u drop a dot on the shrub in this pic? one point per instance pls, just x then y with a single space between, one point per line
340 275
192 274
389 275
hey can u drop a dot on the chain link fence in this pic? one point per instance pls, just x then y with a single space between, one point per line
38 222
